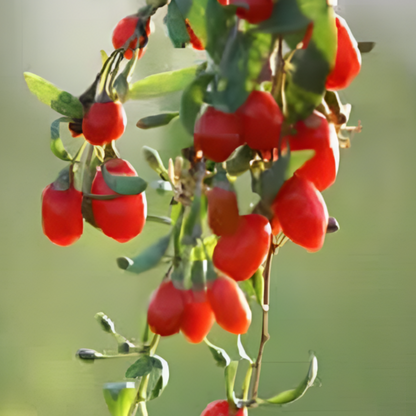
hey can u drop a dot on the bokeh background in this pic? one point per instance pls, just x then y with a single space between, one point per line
353 303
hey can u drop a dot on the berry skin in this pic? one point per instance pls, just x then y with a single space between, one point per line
229 305
217 134
302 213
315 133
261 120
104 123
122 218
62 219
348 58
223 217
165 310
241 254
124 30
195 41
222 408
258 10
197 318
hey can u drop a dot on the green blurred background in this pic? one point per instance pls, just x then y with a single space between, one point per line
352 303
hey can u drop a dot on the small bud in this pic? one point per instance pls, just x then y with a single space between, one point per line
155 162
333 225
106 323
87 354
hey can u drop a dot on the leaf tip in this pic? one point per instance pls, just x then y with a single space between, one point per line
124 263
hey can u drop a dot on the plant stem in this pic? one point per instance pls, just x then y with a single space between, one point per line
265 324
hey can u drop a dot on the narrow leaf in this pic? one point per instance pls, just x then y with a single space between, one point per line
240 161
142 367
158 120
61 101
220 356
124 185
158 379
230 373
56 144
272 179
159 219
154 160
242 351
119 397
176 27
164 83
258 285
147 259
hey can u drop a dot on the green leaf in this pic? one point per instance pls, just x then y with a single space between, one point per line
286 17
161 186
258 285
272 179
230 373
242 351
192 100
175 24
220 356
247 287
159 219
147 259
106 323
158 379
124 185
61 101
291 396
300 103
119 397
154 160
57 146
240 161
104 56
142 367
163 83
63 181
198 252
158 120
297 159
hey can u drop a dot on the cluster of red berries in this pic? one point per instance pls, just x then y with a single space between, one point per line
121 218
193 312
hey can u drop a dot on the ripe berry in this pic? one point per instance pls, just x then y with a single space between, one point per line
315 133
257 11
261 120
223 217
165 309
348 58
217 134
62 219
122 218
229 305
195 41
240 255
104 123
126 29
222 408
197 318
302 213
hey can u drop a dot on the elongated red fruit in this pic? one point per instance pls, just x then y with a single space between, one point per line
348 58
104 123
239 255
222 408
217 134
229 305
165 310
122 218
62 220
197 318
261 120
223 217
302 213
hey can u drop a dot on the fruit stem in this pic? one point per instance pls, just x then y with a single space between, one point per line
265 323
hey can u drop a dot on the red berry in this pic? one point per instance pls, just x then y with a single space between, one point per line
104 123
217 134
62 219
258 10
261 120
195 41
197 318
302 213
122 218
241 254
165 309
348 58
222 408
223 217
315 133
229 305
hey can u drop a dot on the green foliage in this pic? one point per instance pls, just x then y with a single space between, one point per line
240 161
175 24
220 356
147 259
163 83
158 378
152 157
119 397
258 284
56 144
230 373
61 101
142 367
124 185
158 120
